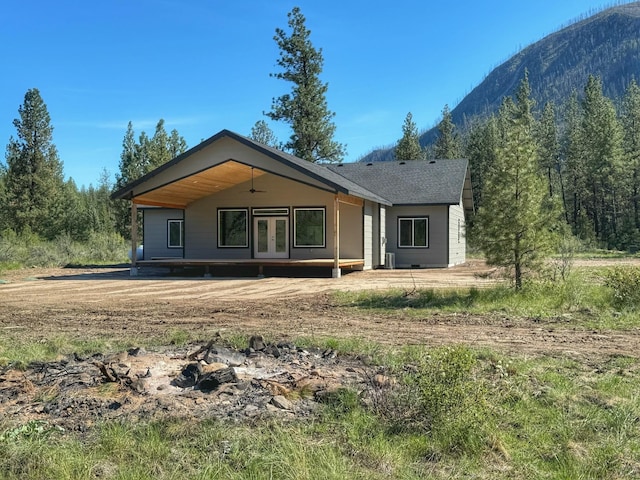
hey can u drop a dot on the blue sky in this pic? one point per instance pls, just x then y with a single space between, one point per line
204 65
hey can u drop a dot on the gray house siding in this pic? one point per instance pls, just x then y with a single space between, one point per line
156 233
370 223
382 239
201 219
435 255
457 237
351 231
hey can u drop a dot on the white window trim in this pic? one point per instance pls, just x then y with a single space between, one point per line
413 237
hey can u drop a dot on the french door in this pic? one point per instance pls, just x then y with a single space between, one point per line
271 237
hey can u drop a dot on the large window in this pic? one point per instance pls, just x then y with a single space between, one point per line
308 225
413 232
232 228
175 233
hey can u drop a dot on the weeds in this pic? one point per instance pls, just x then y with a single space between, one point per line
32 430
454 412
28 250
624 283
583 298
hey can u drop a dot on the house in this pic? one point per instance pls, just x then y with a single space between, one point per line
233 201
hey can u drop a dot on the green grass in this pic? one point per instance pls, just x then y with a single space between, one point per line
20 352
583 300
534 418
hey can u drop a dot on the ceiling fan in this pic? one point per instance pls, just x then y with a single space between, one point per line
253 190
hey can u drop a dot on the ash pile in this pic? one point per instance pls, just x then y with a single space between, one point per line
205 381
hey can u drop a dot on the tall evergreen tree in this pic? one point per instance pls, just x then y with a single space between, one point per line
514 223
631 125
138 159
260 132
408 147
574 170
177 144
447 144
130 168
480 150
305 108
34 179
159 152
549 147
602 144
4 222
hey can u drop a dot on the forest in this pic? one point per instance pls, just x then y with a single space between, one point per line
588 154
48 220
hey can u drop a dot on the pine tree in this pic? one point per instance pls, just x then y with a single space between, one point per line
513 227
574 171
602 143
549 147
129 169
4 222
177 144
447 144
631 124
261 133
408 147
138 159
480 150
159 153
305 108
162 147
34 179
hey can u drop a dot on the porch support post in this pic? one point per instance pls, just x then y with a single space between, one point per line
134 239
336 238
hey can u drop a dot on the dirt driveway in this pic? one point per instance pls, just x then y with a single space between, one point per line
107 302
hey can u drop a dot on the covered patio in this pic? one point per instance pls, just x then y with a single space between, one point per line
213 267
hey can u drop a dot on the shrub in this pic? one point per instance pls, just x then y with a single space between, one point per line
439 394
27 249
107 247
624 283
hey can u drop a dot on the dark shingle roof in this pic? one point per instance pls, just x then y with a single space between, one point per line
417 182
320 171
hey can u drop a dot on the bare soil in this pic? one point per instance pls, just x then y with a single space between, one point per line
106 302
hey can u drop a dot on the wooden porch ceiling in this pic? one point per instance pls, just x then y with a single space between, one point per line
182 192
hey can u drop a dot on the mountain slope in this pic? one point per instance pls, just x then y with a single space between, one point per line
606 44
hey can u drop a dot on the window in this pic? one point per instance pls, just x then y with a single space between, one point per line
270 212
175 233
308 225
413 232
232 228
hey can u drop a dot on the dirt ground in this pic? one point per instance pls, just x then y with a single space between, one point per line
108 302
74 393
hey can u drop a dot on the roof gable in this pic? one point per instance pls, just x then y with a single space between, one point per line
175 183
